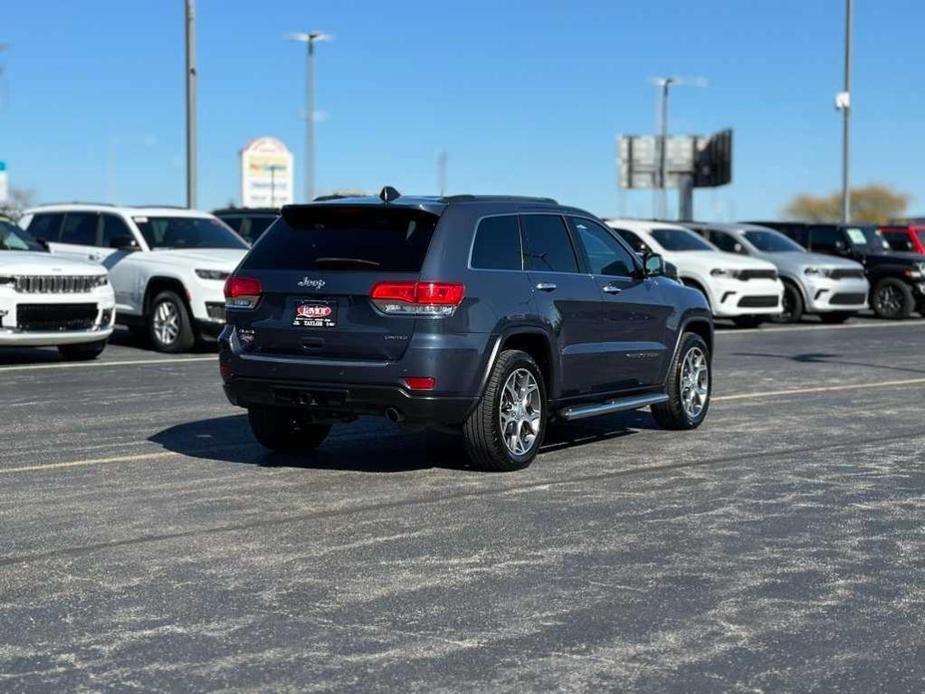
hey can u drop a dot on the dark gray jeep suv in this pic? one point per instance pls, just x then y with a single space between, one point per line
487 315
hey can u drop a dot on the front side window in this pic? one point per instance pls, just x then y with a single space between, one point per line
547 247
79 228
497 244
606 256
187 232
12 238
680 240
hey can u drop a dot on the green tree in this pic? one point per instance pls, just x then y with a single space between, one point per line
873 204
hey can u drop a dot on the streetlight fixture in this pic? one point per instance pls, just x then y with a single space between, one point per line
843 104
309 38
664 84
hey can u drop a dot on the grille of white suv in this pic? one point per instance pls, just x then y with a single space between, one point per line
57 284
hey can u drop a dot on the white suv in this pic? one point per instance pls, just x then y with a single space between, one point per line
747 290
48 301
167 265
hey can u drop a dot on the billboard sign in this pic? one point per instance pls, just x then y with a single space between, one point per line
707 158
266 174
4 184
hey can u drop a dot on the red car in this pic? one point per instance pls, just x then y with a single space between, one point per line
905 238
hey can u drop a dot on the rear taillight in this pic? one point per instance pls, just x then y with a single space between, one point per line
242 292
418 298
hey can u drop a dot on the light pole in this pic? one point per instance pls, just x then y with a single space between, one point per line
309 39
843 104
664 83
190 24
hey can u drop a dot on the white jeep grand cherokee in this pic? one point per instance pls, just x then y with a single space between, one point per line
49 301
167 265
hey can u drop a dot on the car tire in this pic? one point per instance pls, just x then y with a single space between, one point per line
792 305
506 429
169 326
748 321
284 430
892 298
689 387
836 317
87 351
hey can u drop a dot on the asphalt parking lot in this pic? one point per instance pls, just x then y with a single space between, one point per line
146 541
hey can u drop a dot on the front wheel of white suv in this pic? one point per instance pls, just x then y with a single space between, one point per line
506 429
169 325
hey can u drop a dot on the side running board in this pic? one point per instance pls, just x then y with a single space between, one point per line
617 405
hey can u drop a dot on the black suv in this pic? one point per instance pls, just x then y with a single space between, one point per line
487 315
897 280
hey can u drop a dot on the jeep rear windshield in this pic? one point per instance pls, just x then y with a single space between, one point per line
187 232
345 239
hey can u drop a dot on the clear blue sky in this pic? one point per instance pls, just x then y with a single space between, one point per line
526 97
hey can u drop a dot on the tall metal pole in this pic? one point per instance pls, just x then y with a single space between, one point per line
663 144
191 103
310 123
846 115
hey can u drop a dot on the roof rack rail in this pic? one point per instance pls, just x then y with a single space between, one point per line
76 202
497 198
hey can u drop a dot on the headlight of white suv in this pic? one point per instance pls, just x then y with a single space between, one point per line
724 272
220 275
817 271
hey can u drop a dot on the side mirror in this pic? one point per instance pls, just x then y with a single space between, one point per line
43 243
840 246
653 265
124 243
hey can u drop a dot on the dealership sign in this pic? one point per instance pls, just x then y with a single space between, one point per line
4 184
266 174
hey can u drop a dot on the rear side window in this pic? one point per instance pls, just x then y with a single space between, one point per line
547 247
634 242
80 228
349 239
497 244
46 226
826 239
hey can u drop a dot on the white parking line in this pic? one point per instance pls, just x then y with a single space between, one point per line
821 389
167 454
104 364
912 323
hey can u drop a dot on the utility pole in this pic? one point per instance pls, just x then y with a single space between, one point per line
662 146
442 161
843 103
309 38
191 103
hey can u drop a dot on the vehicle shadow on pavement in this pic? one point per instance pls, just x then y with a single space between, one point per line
371 445
10 356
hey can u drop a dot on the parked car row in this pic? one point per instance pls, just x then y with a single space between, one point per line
167 266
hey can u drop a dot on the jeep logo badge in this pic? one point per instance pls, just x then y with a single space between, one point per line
310 283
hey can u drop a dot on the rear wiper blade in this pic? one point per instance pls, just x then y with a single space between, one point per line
346 261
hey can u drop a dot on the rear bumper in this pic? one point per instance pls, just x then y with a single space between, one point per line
339 399
362 387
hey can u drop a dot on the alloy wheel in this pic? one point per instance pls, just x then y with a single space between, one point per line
889 300
695 382
166 322
520 412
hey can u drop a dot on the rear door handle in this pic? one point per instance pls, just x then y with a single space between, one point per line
546 286
612 289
